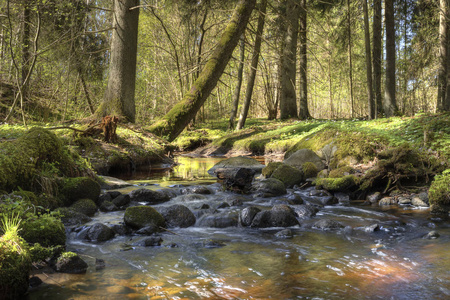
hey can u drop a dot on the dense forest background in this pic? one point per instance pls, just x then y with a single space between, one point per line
55 58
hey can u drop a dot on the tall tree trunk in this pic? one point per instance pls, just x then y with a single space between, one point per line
26 48
371 103
377 56
119 94
254 65
173 123
237 90
389 105
304 111
443 54
288 99
350 62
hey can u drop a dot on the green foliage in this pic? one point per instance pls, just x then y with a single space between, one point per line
439 193
73 189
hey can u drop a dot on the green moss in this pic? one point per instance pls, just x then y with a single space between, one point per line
268 170
45 229
309 170
73 189
341 172
289 175
85 206
67 255
142 216
40 253
337 184
439 192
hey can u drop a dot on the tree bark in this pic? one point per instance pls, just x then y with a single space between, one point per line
304 111
254 65
371 103
389 105
26 48
350 62
288 100
174 122
377 56
444 59
237 90
120 90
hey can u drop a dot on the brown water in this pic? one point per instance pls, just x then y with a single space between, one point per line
394 263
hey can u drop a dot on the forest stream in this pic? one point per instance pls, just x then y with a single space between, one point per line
395 262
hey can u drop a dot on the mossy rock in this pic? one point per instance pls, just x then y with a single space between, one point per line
341 172
310 170
47 230
69 217
239 161
272 166
35 160
298 158
269 187
141 216
15 266
439 193
73 189
85 206
337 184
289 175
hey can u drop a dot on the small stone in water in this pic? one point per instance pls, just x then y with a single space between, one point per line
432 235
285 234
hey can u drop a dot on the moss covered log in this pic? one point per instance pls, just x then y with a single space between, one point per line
174 122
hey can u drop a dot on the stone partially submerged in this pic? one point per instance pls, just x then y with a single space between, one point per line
238 162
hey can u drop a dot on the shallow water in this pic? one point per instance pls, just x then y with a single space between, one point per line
393 263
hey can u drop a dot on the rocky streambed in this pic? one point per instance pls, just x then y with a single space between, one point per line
172 241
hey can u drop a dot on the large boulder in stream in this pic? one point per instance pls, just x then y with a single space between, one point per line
302 156
327 224
100 233
238 162
279 216
142 216
177 216
149 196
222 220
247 215
269 187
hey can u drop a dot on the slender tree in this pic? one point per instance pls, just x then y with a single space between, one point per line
254 65
288 99
376 36
389 105
174 122
304 111
443 54
371 103
237 90
119 95
350 61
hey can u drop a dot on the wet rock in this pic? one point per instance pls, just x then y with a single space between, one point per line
114 194
121 229
69 217
387 201
121 200
213 244
71 264
102 198
342 198
374 198
223 205
85 206
238 162
142 216
319 193
152 241
204 206
177 216
196 189
326 224
279 216
305 211
294 199
247 214
269 187
99 233
148 230
416 201
298 158
190 198
284 234
404 200
99 264
372 228
235 201
432 235
287 174
219 220
424 197
148 196
236 179
108 206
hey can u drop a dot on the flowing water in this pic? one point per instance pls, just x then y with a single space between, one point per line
242 263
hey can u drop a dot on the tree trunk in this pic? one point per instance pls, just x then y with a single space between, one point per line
377 56
350 62
26 49
389 105
371 103
254 65
288 100
119 94
444 59
237 90
304 111
173 123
